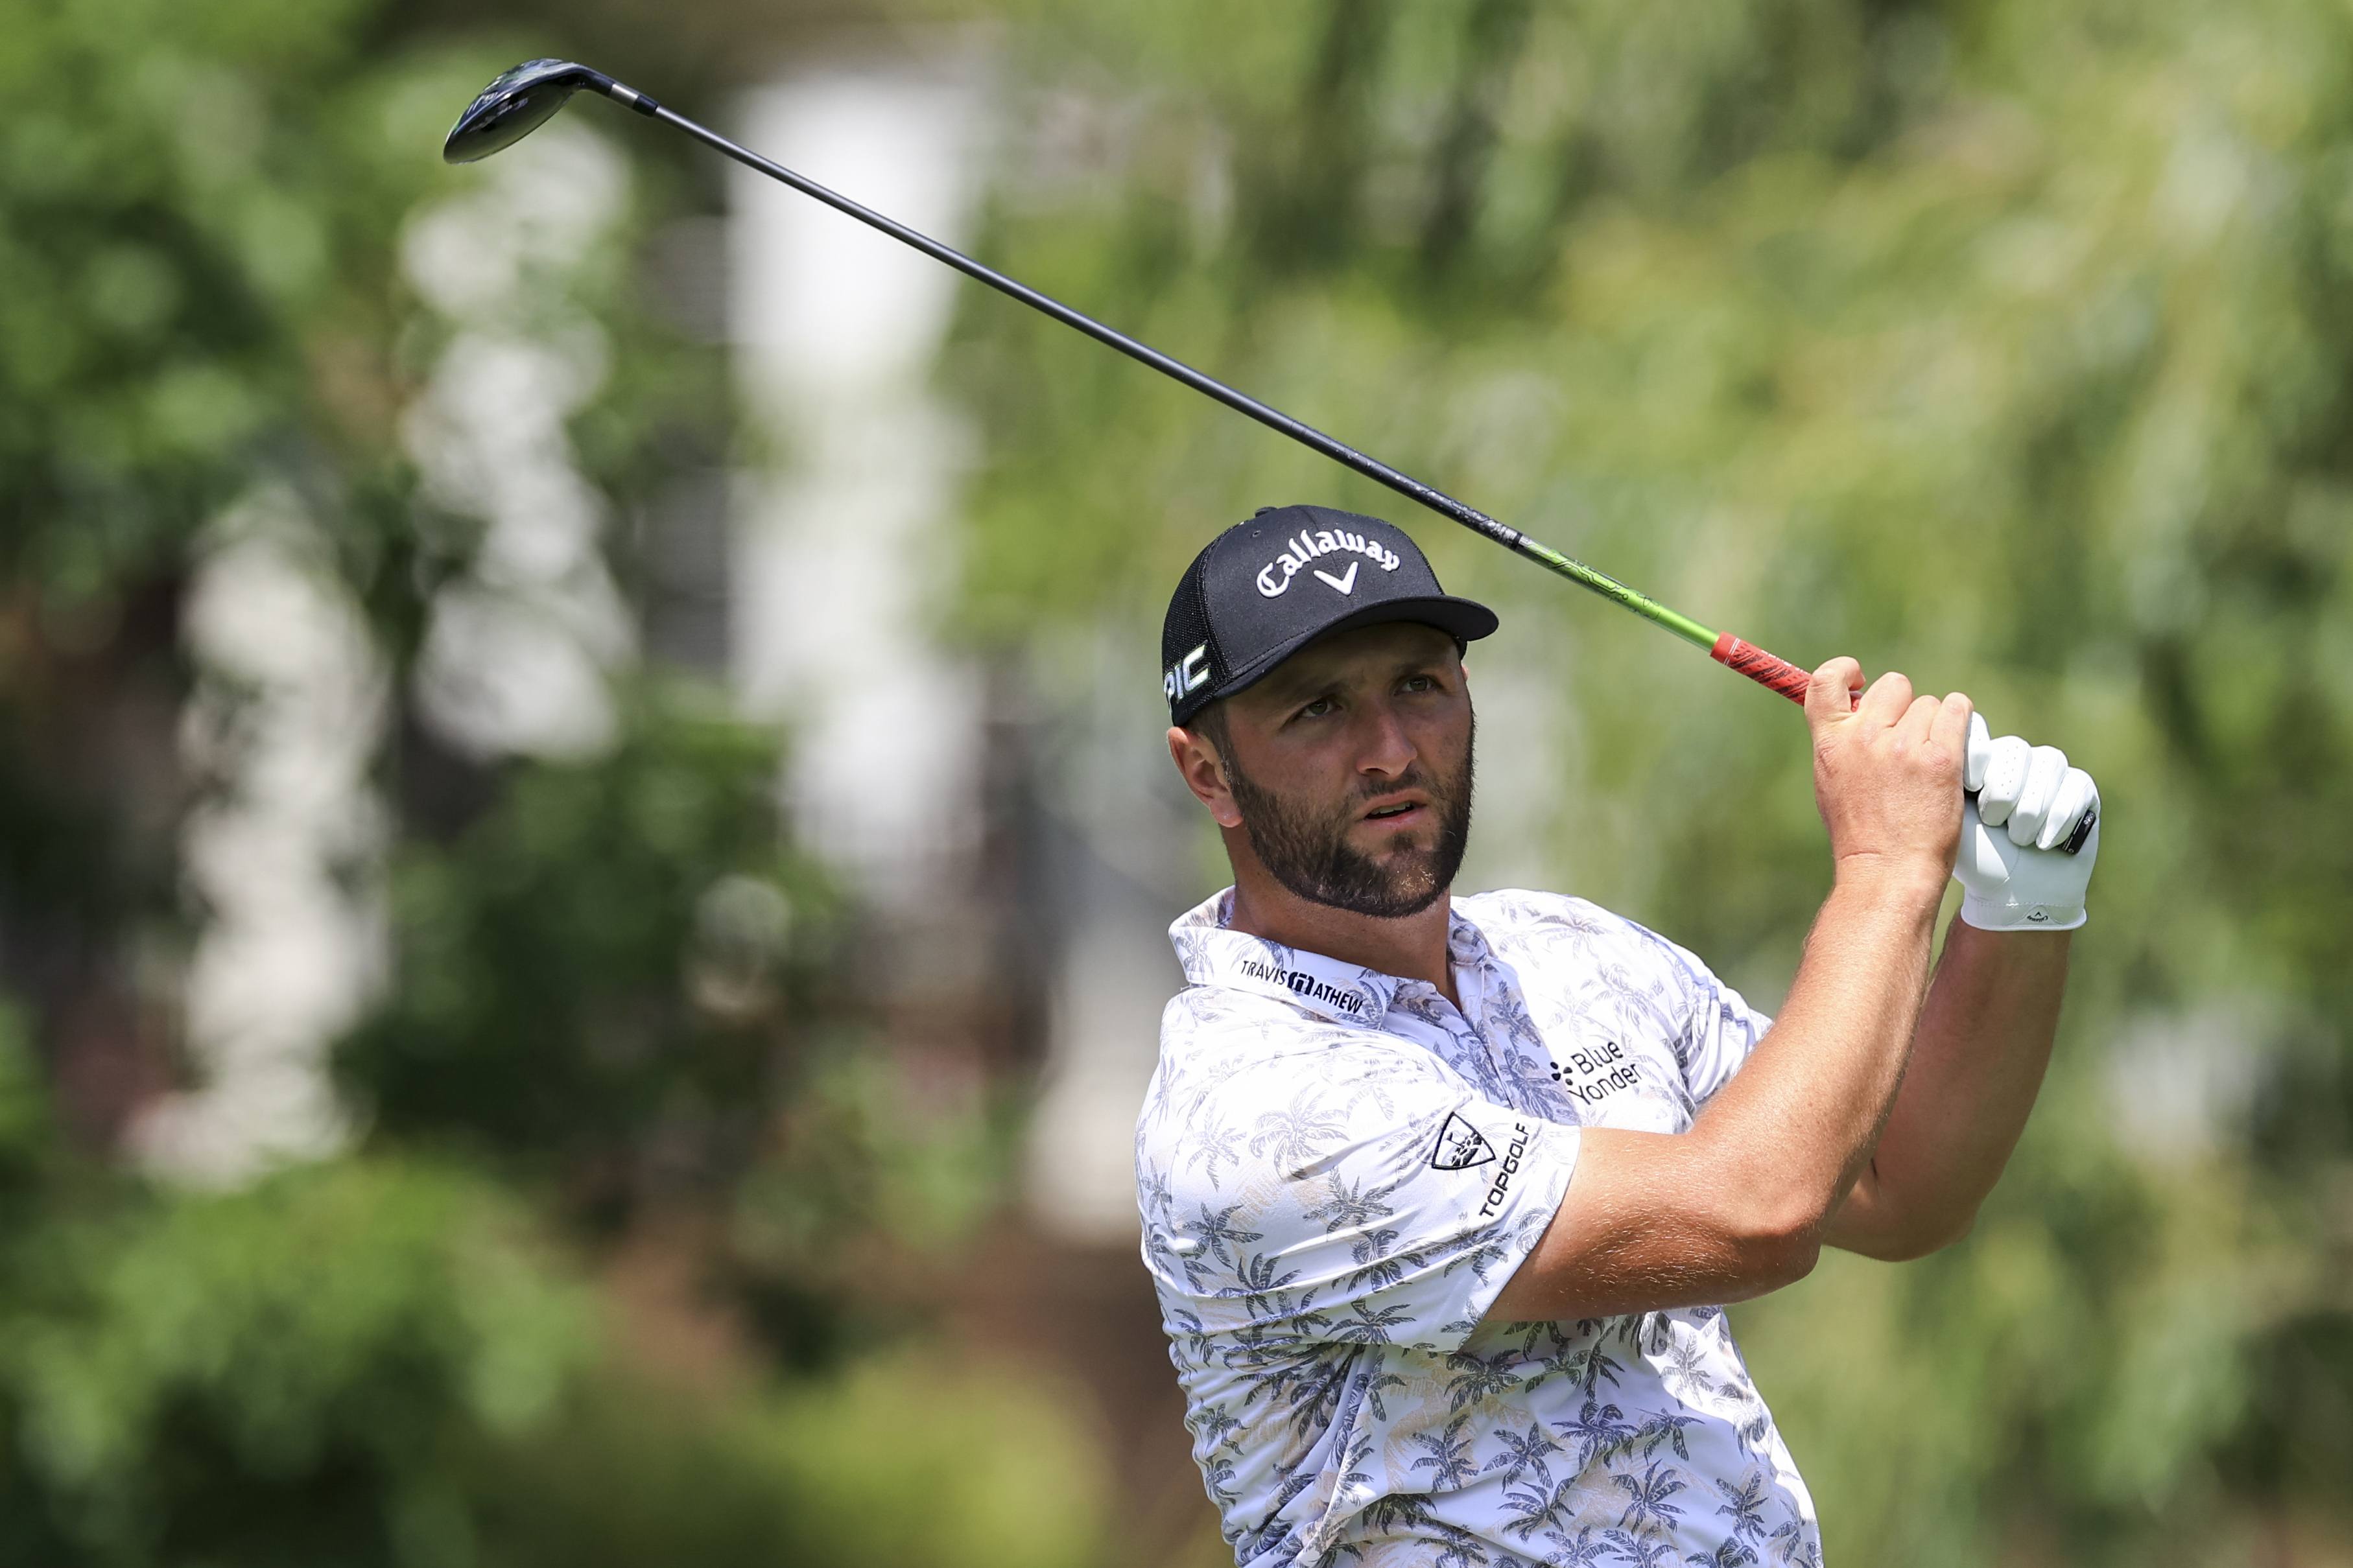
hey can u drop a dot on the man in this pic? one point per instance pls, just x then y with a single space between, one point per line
1443 1196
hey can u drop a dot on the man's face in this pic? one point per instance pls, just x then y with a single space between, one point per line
1350 767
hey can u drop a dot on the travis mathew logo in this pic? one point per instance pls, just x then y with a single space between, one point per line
1460 1146
1298 983
1510 1167
1275 577
1604 1068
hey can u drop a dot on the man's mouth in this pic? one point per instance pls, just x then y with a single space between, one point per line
1393 812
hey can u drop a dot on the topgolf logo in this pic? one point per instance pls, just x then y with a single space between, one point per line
1522 1135
1275 577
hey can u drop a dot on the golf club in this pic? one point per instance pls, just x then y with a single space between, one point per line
522 100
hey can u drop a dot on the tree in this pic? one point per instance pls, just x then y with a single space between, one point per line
602 1015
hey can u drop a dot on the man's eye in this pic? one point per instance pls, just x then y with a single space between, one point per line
1317 709
1420 683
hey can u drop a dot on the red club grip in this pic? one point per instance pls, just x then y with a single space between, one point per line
1761 667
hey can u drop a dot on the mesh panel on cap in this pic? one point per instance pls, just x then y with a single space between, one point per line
1187 625
1187 628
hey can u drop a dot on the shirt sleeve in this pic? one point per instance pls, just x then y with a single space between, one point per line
1359 1192
1719 1027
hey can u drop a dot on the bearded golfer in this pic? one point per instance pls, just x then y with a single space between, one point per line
1443 1196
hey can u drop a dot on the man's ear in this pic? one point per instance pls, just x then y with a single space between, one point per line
1204 773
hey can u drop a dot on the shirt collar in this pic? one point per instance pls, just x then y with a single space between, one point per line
1213 955
1466 944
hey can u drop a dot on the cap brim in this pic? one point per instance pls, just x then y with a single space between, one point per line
1465 618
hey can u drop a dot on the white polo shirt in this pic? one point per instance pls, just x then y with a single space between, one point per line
1338 1172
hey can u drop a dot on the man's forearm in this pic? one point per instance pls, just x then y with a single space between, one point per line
1978 1063
1800 1120
1739 1205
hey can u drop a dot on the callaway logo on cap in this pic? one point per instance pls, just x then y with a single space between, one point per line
1266 588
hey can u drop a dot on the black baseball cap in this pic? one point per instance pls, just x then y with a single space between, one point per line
1266 588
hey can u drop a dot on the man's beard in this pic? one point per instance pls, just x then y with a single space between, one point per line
1308 850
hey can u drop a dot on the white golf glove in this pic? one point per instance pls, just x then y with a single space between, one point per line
2013 868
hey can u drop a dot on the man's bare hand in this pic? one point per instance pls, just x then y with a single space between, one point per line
1887 776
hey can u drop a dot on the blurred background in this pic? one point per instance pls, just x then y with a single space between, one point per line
584 846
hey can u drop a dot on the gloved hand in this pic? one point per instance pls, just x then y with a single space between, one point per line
2014 872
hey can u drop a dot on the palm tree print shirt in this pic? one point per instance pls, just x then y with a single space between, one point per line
1338 1171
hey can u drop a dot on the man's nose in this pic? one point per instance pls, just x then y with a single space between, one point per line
1387 749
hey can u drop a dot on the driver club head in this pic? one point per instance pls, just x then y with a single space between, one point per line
518 103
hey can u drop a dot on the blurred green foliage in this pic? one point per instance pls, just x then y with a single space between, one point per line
904 1461
384 1361
607 1031
182 213
550 956
2001 343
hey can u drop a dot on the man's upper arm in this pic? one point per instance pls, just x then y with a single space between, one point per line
1355 1190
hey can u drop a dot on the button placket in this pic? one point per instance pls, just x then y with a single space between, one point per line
1473 981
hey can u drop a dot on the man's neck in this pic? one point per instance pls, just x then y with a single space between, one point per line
1412 947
